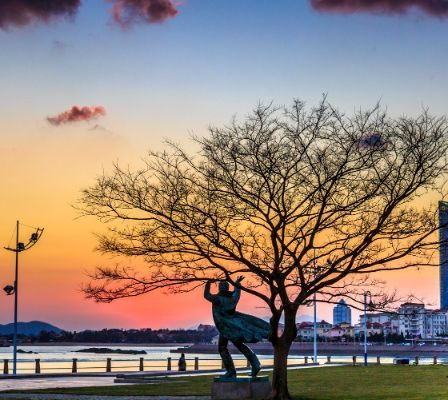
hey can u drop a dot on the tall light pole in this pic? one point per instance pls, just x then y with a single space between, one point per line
20 246
315 331
315 314
367 293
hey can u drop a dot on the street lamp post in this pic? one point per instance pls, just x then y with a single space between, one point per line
20 246
315 312
315 330
367 293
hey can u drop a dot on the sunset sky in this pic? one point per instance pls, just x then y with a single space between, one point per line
87 83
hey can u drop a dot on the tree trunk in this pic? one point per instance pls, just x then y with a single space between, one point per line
281 346
280 372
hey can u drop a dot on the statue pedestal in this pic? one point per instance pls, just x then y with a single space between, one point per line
241 388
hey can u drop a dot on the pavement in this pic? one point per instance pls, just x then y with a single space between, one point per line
31 396
71 382
50 383
29 384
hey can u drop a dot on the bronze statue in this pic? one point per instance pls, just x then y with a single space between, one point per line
237 327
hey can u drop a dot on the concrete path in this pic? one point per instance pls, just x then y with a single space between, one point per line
78 381
72 382
4 396
47 383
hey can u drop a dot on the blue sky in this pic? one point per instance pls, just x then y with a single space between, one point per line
217 58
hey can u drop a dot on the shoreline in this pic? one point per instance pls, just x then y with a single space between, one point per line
265 348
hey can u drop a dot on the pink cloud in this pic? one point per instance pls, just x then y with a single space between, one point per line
76 114
128 12
435 8
25 12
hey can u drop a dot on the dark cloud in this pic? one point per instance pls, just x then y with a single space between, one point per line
372 141
128 12
435 8
76 114
25 12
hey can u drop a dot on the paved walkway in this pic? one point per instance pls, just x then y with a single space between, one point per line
49 383
27 384
4 396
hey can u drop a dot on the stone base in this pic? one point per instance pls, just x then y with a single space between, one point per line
241 388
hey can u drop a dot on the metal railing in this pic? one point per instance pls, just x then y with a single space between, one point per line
108 365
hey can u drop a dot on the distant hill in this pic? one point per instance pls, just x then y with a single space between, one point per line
28 328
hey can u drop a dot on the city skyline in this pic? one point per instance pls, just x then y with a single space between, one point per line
197 66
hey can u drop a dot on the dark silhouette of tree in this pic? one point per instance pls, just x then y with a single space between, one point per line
139 336
298 200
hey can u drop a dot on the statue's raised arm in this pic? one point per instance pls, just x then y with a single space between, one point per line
207 295
237 291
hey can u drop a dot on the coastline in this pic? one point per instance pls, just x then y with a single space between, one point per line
265 348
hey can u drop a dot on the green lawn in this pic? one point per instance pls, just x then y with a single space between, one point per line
333 383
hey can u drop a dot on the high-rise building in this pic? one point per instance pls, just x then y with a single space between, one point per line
443 251
412 320
342 313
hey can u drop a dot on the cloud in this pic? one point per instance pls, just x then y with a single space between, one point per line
25 12
435 8
128 12
124 12
372 141
76 114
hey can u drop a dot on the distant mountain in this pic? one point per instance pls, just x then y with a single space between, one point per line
29 328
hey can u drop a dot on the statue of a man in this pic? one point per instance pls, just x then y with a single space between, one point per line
237 327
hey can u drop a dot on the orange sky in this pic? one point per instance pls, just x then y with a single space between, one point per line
42 176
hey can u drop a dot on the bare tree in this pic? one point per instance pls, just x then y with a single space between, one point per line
271 198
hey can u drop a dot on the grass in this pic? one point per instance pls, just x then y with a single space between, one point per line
334 383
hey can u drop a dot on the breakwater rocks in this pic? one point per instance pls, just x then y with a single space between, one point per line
20 351
106 350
